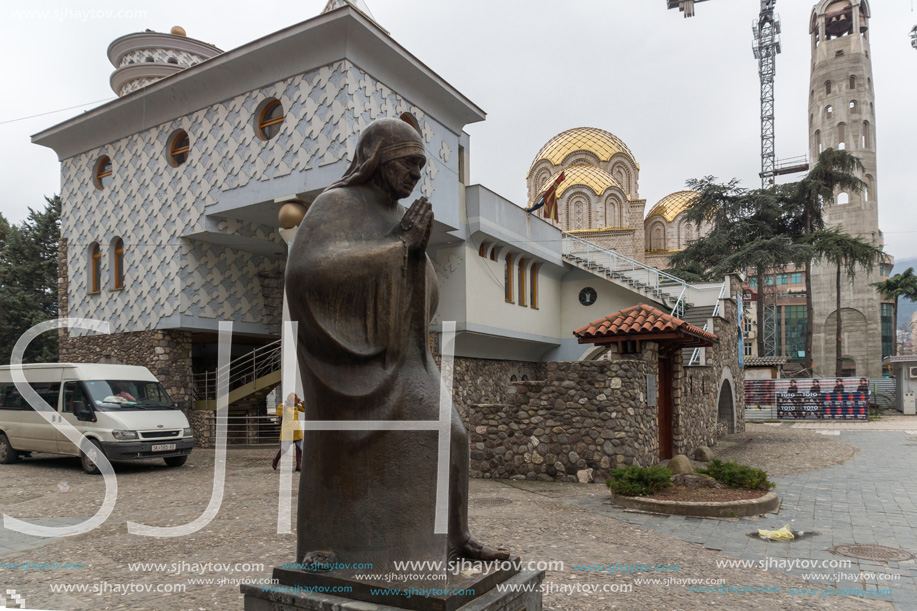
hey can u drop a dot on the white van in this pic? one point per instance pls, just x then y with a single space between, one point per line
123 410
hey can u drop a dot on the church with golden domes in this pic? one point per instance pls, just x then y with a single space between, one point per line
599 199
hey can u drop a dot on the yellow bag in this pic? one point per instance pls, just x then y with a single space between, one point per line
783 534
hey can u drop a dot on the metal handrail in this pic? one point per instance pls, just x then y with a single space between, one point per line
614 264
695 356
243 370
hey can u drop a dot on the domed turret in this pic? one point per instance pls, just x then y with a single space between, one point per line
585 146
672 205
146 57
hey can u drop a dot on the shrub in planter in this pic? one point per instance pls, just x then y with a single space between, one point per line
735 475
639 481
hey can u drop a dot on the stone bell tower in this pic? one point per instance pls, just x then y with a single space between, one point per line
842 115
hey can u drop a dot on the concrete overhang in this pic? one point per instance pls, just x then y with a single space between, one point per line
340 34
247 244
505 222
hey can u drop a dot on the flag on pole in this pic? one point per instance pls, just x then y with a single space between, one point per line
548 200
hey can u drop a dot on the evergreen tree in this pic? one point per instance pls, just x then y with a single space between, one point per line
846 253
834 171
28 281
749 232
899 285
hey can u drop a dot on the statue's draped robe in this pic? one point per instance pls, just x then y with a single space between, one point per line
363 304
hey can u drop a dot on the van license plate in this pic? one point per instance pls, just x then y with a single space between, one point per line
163 447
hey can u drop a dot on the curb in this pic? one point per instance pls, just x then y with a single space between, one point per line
728 509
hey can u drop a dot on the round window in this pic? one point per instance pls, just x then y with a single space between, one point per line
270 120
178 151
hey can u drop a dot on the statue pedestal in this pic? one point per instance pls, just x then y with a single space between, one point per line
298 598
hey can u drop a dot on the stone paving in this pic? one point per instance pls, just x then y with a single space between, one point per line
869 499
539 521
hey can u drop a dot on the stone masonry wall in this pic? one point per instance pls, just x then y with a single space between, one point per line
479 381
696 419
167 354
585 419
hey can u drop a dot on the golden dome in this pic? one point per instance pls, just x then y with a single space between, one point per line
177 30
604 144
672 205
590 176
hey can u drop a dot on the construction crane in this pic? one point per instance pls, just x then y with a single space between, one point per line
685 6
766 47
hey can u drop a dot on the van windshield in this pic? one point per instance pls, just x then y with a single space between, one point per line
125 394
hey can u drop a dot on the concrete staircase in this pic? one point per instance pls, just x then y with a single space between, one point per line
250 379
697 316
665 289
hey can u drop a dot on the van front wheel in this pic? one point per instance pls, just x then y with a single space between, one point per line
89 459
7 454
175 461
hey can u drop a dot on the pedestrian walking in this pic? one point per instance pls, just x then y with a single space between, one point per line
290 433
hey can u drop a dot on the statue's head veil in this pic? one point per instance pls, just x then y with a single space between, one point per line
381 141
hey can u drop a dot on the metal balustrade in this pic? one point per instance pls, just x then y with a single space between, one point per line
695 356
243 370
667 289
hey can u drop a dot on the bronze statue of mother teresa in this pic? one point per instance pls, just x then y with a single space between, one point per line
363 291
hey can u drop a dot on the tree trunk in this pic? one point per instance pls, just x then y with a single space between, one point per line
839 352
809 362
894 327
810 319
759 311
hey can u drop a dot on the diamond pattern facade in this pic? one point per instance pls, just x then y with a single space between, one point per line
152 205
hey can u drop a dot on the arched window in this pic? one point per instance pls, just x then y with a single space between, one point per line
827 87
854 107
868 191
853 82
841 136
533 286
866 138
482 250
611 214
178 153
117 264
818 141
95 268
521 275
843 198
270 120
493 253
508 278
657 237
829 111
103 173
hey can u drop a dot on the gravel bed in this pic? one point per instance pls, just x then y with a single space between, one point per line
781 450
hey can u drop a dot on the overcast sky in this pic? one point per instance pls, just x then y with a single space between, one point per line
682 93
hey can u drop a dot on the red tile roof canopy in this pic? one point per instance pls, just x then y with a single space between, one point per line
644 323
